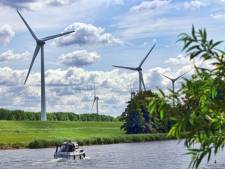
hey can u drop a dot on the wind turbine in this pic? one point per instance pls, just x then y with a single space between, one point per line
173 80
40 45
95 101
139 70
132 92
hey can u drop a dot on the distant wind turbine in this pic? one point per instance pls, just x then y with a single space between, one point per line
40 45
139 70
95 101
173 80
132 92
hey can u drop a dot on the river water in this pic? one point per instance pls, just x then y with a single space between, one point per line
149 155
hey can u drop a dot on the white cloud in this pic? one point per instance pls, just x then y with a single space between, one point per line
195 4
220 15
181 60
79 58
113 2
60 95
6 34
63 87
167 22
9 77
9 55
34 4
86 34
150 5
40 4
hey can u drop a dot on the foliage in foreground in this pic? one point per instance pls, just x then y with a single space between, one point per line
58 116
199 109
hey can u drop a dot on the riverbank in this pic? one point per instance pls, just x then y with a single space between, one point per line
37 134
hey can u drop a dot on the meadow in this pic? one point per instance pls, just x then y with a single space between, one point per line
37 134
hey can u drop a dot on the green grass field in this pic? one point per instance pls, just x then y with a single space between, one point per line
16 134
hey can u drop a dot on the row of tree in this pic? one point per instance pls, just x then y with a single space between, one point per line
199 108
57 116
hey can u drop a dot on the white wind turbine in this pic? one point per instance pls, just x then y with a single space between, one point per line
173 81
139 70
40 45
95 101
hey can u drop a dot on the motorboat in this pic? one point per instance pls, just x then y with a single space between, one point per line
69 150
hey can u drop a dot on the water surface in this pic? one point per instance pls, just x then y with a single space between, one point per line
149 155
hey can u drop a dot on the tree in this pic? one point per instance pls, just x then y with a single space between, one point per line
134 121
137 118
199 109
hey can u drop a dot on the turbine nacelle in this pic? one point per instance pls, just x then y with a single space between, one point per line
40 42
139 69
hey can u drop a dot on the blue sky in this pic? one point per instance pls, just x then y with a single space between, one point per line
107 32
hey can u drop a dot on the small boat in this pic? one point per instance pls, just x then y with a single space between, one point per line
69 150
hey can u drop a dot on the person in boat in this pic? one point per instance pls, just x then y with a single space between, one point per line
68 147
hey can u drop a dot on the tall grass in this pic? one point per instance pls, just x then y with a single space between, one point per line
103 140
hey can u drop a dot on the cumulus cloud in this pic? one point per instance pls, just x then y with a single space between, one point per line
112 87
150 5
9 77
195 4
34 4
86 34
10 55
59 93
6 34
79 58
220 14
39 4
181 60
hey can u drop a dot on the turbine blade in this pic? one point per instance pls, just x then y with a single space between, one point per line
94 90
93 103
32 61
56 36
124 67
28 27
166 76
180 76
147 55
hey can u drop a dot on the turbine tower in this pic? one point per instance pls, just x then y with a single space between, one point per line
95 101
132 92
173 80
40 45
139 70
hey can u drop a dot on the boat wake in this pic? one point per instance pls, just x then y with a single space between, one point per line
86 158
56 160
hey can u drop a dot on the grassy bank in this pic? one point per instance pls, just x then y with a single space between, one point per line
36 134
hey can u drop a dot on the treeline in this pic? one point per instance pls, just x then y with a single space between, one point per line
55 116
